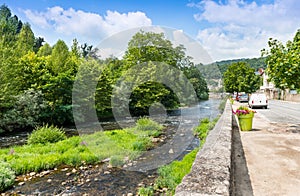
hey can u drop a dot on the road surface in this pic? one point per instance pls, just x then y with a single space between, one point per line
272 150
282 112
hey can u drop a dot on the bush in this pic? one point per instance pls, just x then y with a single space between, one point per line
202 129
142 144
7 176
116 160
26 112
46 134
146 124
146 191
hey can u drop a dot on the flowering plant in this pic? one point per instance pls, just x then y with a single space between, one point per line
243 110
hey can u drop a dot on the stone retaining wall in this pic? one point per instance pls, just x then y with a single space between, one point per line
210 173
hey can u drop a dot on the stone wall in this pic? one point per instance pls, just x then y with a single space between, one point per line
210 173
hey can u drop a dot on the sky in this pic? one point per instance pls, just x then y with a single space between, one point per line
226 29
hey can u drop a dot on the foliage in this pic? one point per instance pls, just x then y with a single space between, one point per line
46 134
171 175
51 71
198 81
202 130
116 160
146 124
148 56
239 77
37 156
26 112
254 63
7 176
283 62
146 191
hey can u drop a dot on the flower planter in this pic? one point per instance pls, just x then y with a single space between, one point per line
245 121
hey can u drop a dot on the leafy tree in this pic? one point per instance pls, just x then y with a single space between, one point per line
38 43
86 50
25 40
111 70
239 77
198 81
284 62
149 50
45 50
26 112
59 57
149 46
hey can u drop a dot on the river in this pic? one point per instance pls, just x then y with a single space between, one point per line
103 180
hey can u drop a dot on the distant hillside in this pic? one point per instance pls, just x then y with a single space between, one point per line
255 63
213 72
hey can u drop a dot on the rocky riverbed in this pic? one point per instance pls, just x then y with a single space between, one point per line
101 179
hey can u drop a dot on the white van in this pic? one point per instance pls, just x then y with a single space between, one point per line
258 100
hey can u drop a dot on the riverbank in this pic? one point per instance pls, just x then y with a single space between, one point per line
59 180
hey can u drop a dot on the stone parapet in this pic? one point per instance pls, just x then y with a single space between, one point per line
210 173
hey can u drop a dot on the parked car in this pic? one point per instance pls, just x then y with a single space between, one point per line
258 100
244 98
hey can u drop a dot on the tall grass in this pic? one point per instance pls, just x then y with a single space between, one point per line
171 175
117 145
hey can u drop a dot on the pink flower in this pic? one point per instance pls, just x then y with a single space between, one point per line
243 110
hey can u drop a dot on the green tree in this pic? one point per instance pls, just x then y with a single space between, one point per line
25 40
148 50
239 77
45 50
59 57
198 81
284 62
38 43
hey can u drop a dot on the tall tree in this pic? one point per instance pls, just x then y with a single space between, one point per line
59 57
284 62
239 77
25 40
38 43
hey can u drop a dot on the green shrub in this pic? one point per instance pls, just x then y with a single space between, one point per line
146 191
142 144
171 175
26 112
7 176
154 133
116 160
202 130
146 124
46 134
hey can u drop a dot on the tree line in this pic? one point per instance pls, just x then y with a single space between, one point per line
36 79
282 64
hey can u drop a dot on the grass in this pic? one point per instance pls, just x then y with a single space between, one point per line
116 145
204 127
171 175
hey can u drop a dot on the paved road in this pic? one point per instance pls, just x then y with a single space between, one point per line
272 150
282 112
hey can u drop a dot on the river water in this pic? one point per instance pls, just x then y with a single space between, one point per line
101 179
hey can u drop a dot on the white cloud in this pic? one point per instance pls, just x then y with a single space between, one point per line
242 29
193 48
86 25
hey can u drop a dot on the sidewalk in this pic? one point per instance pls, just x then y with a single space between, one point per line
272 156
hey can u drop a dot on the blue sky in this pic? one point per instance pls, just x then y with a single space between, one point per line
226 29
